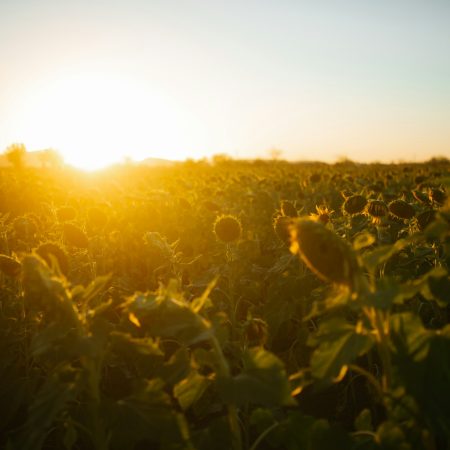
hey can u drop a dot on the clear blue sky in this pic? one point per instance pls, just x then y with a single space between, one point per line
319 79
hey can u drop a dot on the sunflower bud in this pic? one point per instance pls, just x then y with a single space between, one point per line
256 332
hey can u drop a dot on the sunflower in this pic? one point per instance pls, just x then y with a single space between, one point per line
354 204
323 214
227 228
324 253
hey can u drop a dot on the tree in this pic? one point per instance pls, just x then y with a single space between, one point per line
15 154
221 158
50 158
275 153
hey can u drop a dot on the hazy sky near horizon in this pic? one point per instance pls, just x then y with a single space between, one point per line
319 79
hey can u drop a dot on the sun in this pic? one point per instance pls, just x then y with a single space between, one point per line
95 120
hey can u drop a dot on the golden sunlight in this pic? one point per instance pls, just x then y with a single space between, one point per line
95 120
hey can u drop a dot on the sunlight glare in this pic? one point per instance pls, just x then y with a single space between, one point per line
94 120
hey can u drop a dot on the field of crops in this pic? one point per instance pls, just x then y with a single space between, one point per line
238 305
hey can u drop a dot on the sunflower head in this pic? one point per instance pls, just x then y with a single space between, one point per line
346 193
401 209
66 213
227 228
425 218
282 225
377 209
421 197
354 204
323 214
25 227
438 196
326 254
288 209
75 236
256 332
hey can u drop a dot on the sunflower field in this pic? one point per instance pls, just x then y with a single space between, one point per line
231 306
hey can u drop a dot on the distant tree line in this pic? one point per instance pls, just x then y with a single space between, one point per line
16 155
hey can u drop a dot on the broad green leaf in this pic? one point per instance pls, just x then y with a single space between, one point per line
262 418
338 300
327 437
165 316
389 292
206 358
409 336
363 240
439 287
300 380
381 254
422 366
100 309
144 346
177 368
48 338
444 332
391 437
338 343
301 432
47 405
263 381
437 229
93 289
363 421
216 435
189 390
70 435
198 303
146 415
294 432
14 393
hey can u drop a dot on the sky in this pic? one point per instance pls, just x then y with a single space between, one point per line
319 80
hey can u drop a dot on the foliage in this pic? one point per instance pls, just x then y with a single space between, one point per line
15 154
190 307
